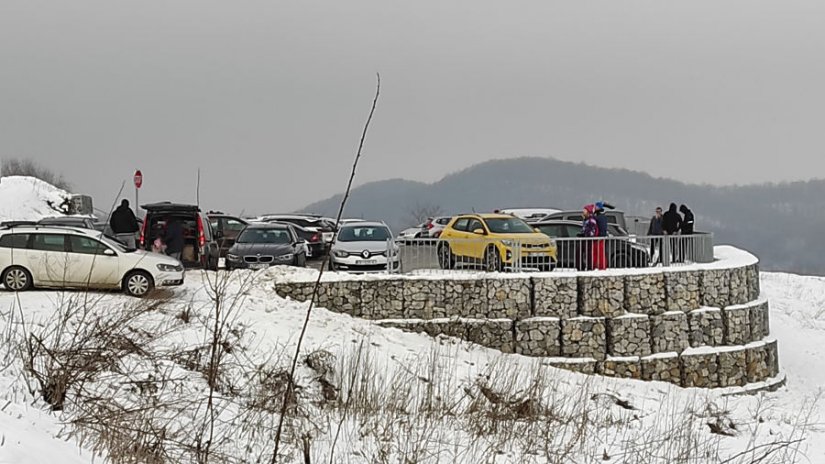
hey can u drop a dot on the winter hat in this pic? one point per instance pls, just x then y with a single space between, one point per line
590 208
600 205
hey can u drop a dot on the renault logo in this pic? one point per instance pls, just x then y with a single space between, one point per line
365 254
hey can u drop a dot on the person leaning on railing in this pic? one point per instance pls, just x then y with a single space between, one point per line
686 229
656 229
672 223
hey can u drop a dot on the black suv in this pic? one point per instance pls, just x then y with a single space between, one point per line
200 248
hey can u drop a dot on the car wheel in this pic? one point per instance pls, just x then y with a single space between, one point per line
17 279
492 260
138 284
446 259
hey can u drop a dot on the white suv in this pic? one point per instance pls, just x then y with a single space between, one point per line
66 257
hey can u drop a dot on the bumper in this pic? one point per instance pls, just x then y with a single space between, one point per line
169 279
357 264
244 265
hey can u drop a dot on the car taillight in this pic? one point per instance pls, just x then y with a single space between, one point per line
315 238
437 234
201 235
143 234
429 225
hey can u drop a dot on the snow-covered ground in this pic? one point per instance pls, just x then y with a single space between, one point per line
28 199
30 433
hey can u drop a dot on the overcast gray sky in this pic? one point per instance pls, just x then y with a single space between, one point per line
268 97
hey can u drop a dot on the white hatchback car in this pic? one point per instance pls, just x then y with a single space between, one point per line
64 257
364 247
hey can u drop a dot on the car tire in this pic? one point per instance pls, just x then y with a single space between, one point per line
446 259
17 279
492 260
138 284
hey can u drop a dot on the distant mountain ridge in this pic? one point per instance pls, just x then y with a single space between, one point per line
781 223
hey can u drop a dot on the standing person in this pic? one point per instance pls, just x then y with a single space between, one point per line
655 230
124 224
672 223
590 229
173 238
599 257
686 229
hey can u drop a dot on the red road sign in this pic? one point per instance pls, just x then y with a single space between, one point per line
138 178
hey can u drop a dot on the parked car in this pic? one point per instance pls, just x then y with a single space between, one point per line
614 216
620 251
313 223
259 246
314 241
529 214
76 258
412 233
82 222
493 240
10 224
364 247
200 248
226 229
434 226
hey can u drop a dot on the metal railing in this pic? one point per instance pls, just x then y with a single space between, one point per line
561 254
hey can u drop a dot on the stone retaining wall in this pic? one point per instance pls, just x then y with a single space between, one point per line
695 328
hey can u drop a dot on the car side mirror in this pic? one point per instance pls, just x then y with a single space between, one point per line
536 229
479 232
109 252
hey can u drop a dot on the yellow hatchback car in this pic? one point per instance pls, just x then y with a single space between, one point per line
496 241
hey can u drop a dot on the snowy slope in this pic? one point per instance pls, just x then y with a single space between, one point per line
30 434
28 199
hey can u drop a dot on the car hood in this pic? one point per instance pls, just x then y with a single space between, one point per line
275 249
533 237
143 257
356 247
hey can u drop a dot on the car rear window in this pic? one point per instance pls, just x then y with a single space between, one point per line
14 241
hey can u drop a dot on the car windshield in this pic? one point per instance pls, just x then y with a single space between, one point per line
264 236
114 244
364 234
509 226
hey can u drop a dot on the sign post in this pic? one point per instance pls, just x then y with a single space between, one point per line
138 182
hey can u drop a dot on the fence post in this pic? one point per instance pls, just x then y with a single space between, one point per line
666 239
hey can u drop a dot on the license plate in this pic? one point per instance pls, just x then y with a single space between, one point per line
366 261
533 255
258 266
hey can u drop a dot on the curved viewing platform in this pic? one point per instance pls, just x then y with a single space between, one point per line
695 325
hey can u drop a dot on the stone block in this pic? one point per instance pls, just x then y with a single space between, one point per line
737 325
733 367
663 367
453 304
382 299
752 278
492 333
601 296
556 296
773 358
452 327
700 370
715 286
538 336
584 337
669 332
682 290
474 298
628 336
645 294
626 368
509 298
706 327
424 299
760 321
581 365
343 297
758 368
739 290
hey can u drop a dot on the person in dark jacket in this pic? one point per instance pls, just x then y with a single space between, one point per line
656 229
590 229
687 222
600 257
173 238
672 223
124 224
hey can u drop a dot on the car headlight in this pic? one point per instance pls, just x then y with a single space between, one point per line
170 267
286 256
508 243
340 253
232 257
